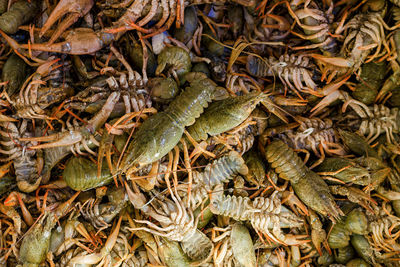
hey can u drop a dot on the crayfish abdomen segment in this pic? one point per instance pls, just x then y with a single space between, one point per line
191 103
221 170
285 162
198 247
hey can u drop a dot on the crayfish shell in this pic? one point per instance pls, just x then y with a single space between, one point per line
242 246
199 247
81 174
339 236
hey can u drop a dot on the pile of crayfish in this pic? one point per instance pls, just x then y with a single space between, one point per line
200 133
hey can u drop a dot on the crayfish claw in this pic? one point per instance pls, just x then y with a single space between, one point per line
64 207
79 41
5 118
294 202
319 198
331 93
326 101
355 195
4 169
287 101
18 49
336 61
64 140
76 8
138 200
390 83
105 151
295 240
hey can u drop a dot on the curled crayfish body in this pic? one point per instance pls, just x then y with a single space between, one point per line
308 185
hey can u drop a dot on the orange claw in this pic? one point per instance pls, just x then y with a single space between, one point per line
392 82
332 87
76 8
64 207
59 139
25 212
4 169
294 203
79 41
336 61
331 93
11 200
